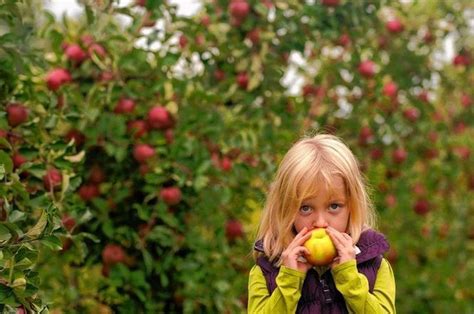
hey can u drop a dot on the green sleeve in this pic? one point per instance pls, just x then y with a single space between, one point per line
284 298
355 288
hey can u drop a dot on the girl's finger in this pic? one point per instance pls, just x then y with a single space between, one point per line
304 238
300 251
301 233
295 240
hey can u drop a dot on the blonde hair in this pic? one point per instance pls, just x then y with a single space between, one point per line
309 162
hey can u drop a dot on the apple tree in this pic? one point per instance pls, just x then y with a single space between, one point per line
138 144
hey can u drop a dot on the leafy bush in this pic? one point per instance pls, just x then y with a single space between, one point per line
138 144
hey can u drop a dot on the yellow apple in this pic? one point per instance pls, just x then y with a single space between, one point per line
321 248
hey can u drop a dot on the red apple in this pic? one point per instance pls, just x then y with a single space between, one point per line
200 40
76 135
219 75
113 254
321 248
68 222
433 136
97 175
169 136
142 152
460 127
242 80
365 135
75 53
125 105
171 195
394 26
367 68
96 49
16 114
205 20
183 41
382 42
310 90
88 192
21 310
18 160
421 207
376 153
159 118
225 164
57 77
143 169
399 155
106 76
390 200
52 180
344 40
423 96
137 127
239 9
428 37
234 229
254 36
466 100
431 153
462 152
390 89
461 60
141 3
250 160
411 114
330 3
267 3
87 40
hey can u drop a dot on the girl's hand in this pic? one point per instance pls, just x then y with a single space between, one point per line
344 246
292 256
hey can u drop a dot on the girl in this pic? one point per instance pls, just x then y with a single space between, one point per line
319 185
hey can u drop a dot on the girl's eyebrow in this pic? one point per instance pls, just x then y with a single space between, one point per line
332 198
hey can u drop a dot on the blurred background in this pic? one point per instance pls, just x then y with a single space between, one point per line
138 140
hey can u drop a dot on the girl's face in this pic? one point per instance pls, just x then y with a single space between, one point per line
328 208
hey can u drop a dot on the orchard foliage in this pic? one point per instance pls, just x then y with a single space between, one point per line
137 144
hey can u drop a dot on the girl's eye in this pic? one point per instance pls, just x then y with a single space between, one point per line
334 206
305 209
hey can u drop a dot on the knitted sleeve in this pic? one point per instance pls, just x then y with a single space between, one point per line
284 299
355 288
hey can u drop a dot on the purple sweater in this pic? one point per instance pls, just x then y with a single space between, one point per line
319 294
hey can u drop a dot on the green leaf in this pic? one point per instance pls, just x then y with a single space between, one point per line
148 261
89 236
39 227
14 229
26 252
200 182
6 164
20 189
90 15
52 242
5 293
5 143
5 234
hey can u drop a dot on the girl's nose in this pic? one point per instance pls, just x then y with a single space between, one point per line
319 221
